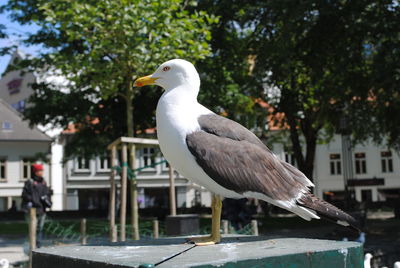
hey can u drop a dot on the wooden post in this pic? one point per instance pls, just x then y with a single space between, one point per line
254 227
134 197
113 238
172 201
83 232
155 229
123 191
225 227
114 234
32 233
9 202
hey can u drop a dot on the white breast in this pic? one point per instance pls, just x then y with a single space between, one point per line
176 119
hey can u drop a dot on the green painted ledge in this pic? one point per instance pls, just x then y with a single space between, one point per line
234 251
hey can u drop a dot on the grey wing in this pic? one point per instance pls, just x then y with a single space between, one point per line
224 127
245 166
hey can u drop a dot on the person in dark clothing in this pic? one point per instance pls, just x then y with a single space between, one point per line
37 194
13 207
237 212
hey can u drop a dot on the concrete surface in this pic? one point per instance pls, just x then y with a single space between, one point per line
13 249
234 251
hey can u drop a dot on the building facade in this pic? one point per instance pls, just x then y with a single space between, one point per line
88 182
375 170
15 89
20 146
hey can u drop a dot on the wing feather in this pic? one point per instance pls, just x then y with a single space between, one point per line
244 166
237 160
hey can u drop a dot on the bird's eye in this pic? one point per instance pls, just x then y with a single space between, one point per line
166 68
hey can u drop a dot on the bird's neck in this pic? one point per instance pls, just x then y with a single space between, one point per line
181 95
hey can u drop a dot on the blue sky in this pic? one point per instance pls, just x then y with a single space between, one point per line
16 33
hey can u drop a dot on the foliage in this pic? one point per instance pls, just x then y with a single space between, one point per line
102 47
320 56
227 83
3 33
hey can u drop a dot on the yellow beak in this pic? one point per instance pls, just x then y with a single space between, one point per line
144 81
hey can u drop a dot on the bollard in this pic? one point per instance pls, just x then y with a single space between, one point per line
172 200
32 233
155 229
114 233
83 232
254 227
225 227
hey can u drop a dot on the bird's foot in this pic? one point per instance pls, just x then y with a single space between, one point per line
203 240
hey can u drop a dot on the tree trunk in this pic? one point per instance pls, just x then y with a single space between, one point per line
305 163
132 149
129 112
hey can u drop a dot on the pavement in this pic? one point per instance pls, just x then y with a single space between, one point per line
13 248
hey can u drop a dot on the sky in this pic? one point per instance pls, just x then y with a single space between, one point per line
15 32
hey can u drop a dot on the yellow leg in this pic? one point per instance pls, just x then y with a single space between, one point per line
215 237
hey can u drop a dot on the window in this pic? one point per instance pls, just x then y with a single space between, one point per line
14 86
361 163
165 165
26 168
82 164
290 159
19 106
3 169
148 156
6 126
387 162
103 163
335 164
197 197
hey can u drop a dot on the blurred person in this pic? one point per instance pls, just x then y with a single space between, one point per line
237 212
37 194
13 207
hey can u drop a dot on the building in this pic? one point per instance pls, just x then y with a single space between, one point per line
15 89
20 146
375 170
87 182
372 170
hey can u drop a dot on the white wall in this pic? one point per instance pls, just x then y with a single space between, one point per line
57 181
324 181
15 152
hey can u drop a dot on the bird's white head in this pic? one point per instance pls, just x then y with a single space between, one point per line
172 74
368 256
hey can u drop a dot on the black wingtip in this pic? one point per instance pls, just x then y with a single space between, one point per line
329 212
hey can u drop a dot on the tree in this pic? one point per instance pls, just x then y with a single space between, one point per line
227 83
103 46
317 53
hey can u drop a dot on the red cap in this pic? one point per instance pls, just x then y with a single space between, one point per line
37 167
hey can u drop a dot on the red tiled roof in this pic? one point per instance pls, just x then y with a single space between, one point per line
275 121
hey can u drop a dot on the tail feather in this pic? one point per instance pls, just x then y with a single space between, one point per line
328 211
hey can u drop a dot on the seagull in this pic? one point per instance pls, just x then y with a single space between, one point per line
367 260
4 263
223 156
361 238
